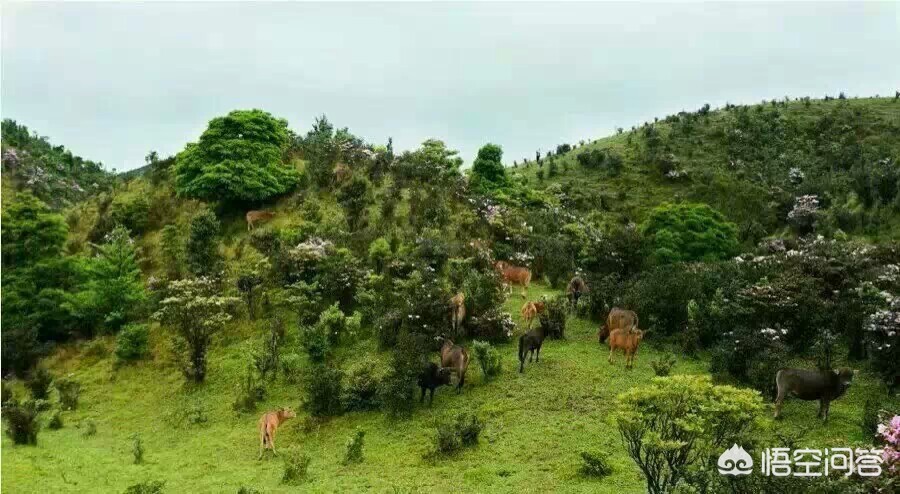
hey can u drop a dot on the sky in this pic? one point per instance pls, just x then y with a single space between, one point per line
112 81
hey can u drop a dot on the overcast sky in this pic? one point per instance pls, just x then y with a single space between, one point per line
113 81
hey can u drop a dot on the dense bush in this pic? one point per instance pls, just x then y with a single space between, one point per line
296 467
689 232
751 356
354 448
69 390
202 248
250 391
22 424
39 383
398 388
132 342
663 365
451 437
56 421
323 386
494 326
595 464
487 169
488 359
291 365
361 390
238 158
483 291
553 319
884 343
147 487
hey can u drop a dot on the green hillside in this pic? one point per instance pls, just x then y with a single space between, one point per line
697 222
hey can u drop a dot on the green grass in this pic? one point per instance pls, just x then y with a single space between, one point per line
537 424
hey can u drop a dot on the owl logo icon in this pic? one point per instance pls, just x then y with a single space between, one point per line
735 461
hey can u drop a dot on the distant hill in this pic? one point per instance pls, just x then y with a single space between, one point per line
750 162
52 173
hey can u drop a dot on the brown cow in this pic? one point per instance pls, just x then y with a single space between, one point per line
456 358
268 424
628 340
254 216
576 288
457 312
514 275
530 310
617 319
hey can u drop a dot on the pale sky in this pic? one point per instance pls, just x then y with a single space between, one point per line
112 81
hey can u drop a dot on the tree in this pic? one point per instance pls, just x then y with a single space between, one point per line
680 422
355 196
195 312
238 158
689 232
31 232
202 250
487 169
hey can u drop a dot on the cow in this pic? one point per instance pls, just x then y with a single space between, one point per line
514 275
823 385
268 425
530 310
253 216
455 358
457 312
432 377
616 319
628 339
531 342
576 288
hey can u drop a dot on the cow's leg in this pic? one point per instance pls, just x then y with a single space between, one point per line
431 397
538 359
610 359
778 401
272 442
422 398
462 379
262 442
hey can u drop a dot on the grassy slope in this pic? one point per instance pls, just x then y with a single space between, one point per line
538 422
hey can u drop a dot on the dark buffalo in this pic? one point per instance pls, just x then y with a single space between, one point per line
432 377
531 342
825 386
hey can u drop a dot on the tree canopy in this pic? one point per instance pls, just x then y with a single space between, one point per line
690 232
238 158
487 169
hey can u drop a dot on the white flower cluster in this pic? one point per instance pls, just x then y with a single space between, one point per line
796 175
804 207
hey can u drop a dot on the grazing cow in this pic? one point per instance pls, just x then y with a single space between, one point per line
431 377
823 385
530 310
628 339
617 319
576 288
253 216
531 342
455 358
514 275
268 424
457 312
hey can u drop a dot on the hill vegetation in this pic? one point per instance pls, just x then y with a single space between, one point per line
747 239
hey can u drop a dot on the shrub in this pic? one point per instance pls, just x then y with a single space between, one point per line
148 487
296 467
202 247
483 291
7 397
361 392
397 391
137 449
689 232
869 418
751 357
354 448
663 365
488 358
56 421
450 437
250 391
69 391
680 422
89 428
267 358
883 336
495 326
291 365
132 343
324 385
553 319
39 383
247 490
22 423
379 254
595 464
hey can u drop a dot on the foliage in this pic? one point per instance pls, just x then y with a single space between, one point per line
39 383
246 284
361 390
146 487
291 367
488 359
90 428
883 336
553 318
399 385
56 422
323 385
354 449
238 158
201 250
689 232
379 254
663 365
451 437
132 342
487 169
355 196
483 291
751 356
195 312
250 391
173 250
22 425
69 390
296 467
595 464
494 326
137 448
267 358
676 422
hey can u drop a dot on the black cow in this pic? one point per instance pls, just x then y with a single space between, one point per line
431 377
531 342
825 386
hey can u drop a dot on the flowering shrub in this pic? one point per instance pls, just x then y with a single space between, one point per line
883 335
804 214
890 433
553 319
494 326
751 356
796 175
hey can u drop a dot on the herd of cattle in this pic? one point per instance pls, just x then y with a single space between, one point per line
620 331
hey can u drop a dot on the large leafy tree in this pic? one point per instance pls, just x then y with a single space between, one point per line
690 232
487 169
238 158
